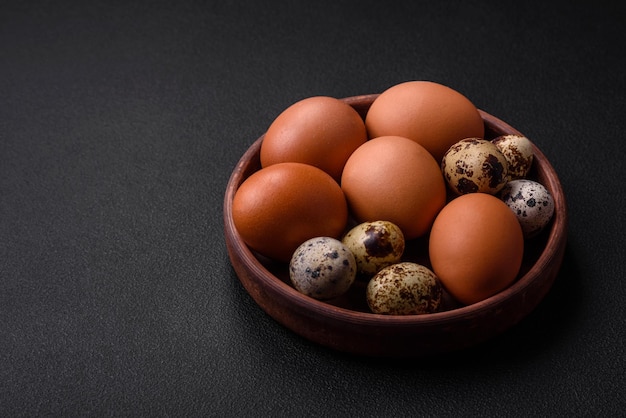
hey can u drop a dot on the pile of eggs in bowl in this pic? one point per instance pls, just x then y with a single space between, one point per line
338 197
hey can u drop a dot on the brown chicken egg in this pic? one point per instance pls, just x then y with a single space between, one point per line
433 115
320 131
476 247
279 207
395 179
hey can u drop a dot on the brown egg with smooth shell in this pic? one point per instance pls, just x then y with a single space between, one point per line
279 207
476 247
394 179
321 131
433 115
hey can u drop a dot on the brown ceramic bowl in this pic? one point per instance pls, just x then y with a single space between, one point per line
345 324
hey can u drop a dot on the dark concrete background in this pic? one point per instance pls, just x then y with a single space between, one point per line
120 124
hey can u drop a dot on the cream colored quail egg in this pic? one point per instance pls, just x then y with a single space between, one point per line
531 202
404 289
322 268
475 165
518 151
375 245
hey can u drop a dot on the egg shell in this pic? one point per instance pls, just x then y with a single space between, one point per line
375 245
475 165
434 115
321 131
531 202
395 179
279 207
476 247
404 289
322 268
518 151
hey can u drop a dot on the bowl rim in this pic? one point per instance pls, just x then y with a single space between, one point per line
303 303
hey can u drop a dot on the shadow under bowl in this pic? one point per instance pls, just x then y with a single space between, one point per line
345 324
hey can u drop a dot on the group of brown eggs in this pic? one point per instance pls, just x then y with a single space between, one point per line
334 188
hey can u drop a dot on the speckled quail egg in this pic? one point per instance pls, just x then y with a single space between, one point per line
322 268
375 245
475 165
518 151
531 202
404 289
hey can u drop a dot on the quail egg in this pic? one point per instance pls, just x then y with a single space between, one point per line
531 202
322 268
475 165
518 151
404 289
375 245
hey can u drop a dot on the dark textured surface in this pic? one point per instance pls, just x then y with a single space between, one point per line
120 124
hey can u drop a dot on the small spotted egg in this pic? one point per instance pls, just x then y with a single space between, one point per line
375 245
404 289
531 202
475 165
518 151
322 268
